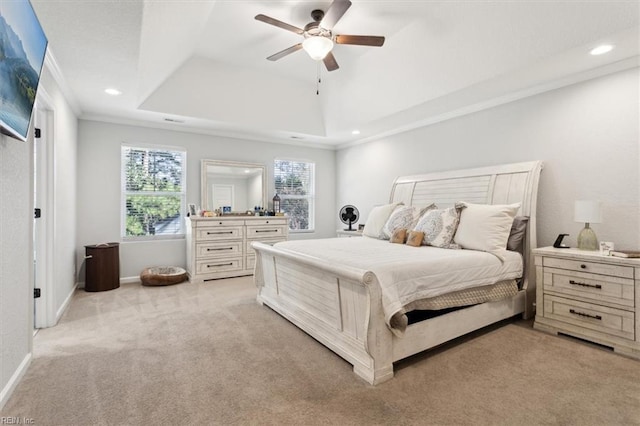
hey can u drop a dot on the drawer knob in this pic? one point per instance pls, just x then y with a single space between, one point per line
583 266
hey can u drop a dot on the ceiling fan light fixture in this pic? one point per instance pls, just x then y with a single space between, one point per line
317 47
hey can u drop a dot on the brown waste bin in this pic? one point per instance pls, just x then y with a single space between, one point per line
102 267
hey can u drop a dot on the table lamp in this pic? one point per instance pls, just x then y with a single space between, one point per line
587 212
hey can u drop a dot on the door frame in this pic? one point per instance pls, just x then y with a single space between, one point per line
44 186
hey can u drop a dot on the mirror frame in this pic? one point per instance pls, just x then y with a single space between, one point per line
203 177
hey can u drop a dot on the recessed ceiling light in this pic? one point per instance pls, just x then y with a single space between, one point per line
600 50
112 92
355 132
247 171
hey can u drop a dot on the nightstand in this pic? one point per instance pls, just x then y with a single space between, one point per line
347 234
590 296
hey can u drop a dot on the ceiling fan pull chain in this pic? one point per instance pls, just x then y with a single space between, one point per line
319 81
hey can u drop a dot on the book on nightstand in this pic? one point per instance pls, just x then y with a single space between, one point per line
625 253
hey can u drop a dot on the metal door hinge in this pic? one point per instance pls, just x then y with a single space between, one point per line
36 293
37 133
37 213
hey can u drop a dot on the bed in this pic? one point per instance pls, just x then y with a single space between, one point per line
344 303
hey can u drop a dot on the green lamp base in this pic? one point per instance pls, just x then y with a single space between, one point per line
587 239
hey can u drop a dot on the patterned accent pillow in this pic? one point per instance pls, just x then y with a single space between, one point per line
403 217
439 226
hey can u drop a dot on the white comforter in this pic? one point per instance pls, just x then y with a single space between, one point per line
408 273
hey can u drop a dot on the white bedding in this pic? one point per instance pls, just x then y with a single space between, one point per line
410 273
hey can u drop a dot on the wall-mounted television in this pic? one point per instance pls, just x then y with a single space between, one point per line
23 46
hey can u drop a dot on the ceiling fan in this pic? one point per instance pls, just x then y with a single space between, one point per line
318 36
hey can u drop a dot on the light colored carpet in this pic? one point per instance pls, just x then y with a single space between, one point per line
208 354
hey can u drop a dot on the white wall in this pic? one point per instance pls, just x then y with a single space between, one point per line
16 235
16 290
99 209
587 134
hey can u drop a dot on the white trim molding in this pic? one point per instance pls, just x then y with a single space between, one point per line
5 394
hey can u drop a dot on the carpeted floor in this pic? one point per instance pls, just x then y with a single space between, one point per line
209 354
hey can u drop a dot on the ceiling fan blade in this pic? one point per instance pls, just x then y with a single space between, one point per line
285 52
279 24
330 62
360 40
334 13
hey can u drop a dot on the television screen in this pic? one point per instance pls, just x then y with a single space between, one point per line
22 49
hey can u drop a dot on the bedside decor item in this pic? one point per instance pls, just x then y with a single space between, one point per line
626 253
348 215
558 243
587 212
606 247
276 203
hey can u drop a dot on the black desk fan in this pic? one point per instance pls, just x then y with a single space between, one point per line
348 215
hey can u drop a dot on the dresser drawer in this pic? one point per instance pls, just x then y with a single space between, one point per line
265 232
229 248
219 233
218 265
270 221
251 261
214 223
599 288
592 267
611 321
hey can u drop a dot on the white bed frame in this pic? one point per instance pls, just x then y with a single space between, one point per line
341 306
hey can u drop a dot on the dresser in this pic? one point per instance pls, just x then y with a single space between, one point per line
590 296
220 247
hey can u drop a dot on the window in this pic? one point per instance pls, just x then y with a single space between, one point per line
294 183
153 192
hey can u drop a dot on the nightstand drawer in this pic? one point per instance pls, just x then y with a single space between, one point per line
599 288
219 249
592 267
611 321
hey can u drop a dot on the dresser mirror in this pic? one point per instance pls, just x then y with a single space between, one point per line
232 187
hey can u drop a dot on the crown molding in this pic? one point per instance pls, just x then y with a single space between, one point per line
53 67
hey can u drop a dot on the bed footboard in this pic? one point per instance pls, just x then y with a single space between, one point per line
338 306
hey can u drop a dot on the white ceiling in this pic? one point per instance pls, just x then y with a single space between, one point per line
203 62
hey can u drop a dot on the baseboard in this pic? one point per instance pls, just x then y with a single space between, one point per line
66 303
14 380
123 280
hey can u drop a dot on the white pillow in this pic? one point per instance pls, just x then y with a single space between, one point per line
486 227
376 220
403 217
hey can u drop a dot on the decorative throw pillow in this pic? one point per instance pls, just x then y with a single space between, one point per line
377 218
439 226
516 235
486 227
415 238
403 217
399 236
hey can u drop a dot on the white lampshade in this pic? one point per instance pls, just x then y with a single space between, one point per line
317 46
588 211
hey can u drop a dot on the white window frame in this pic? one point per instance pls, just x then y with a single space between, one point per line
124 193
311 195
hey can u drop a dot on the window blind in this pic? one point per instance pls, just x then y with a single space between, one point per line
153 192
294 183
